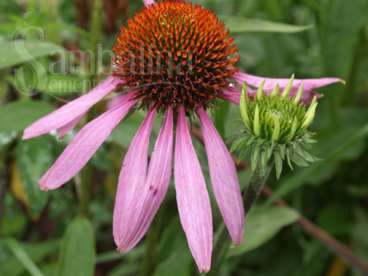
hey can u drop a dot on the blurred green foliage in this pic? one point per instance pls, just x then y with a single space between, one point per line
42 234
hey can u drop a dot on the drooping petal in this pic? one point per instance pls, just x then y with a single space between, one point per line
113 103
83 146
132 184
192 197
231 94
148 2
69 126
153 189
71 111
309 84
119 99
270 83
224 178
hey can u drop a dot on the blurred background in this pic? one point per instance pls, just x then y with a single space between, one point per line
63 48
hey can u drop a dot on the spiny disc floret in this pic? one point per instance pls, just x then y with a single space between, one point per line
175 53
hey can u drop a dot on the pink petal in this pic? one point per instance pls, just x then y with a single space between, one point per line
309 84
231 94
115 102
119 99
71 111
148 2
132 186
69 126
192 197
158 179
154 189
83 146
224 178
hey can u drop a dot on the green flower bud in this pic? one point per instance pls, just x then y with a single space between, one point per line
276 128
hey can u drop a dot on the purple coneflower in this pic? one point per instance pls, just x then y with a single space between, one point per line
175 58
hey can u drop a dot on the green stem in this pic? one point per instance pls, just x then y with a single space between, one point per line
220 249
149 261
255 187
222 242
85 191
96 32
86 176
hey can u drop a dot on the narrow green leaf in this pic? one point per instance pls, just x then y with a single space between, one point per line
36 252
78 249
242 25
23 257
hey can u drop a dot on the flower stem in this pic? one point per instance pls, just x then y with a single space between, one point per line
85 194
221 247
149 261
255 187
250 195
86 176
96 31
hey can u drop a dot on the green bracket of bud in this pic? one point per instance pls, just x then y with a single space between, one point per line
276 91
311 113
288 88
277 129
256 122
260 90
243 106
299 93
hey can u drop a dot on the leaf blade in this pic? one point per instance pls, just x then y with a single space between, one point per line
78 248
263 223
23 257
20 51
18 115
241 25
